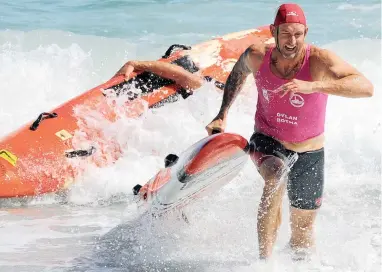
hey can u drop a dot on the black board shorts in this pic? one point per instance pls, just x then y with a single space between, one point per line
306 176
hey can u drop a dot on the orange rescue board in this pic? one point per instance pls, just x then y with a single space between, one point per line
46 158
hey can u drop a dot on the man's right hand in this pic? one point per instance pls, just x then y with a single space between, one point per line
218 123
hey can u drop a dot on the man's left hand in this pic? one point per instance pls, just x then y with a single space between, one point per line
296 86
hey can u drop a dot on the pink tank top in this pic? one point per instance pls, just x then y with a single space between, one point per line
292 118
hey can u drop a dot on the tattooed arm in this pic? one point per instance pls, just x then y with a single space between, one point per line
236 80
248 63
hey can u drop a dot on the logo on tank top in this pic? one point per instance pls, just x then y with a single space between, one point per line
296 101
265 94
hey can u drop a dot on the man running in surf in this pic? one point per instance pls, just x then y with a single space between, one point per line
293 81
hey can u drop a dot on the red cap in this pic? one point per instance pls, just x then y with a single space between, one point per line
289 13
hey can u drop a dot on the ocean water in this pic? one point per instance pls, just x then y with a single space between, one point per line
52 51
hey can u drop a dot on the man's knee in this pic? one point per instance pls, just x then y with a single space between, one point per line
271 168
302 228
302 220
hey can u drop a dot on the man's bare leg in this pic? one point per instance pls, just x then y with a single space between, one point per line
269 214
302 222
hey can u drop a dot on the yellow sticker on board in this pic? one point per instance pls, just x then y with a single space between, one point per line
63 135
8 156
68 181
